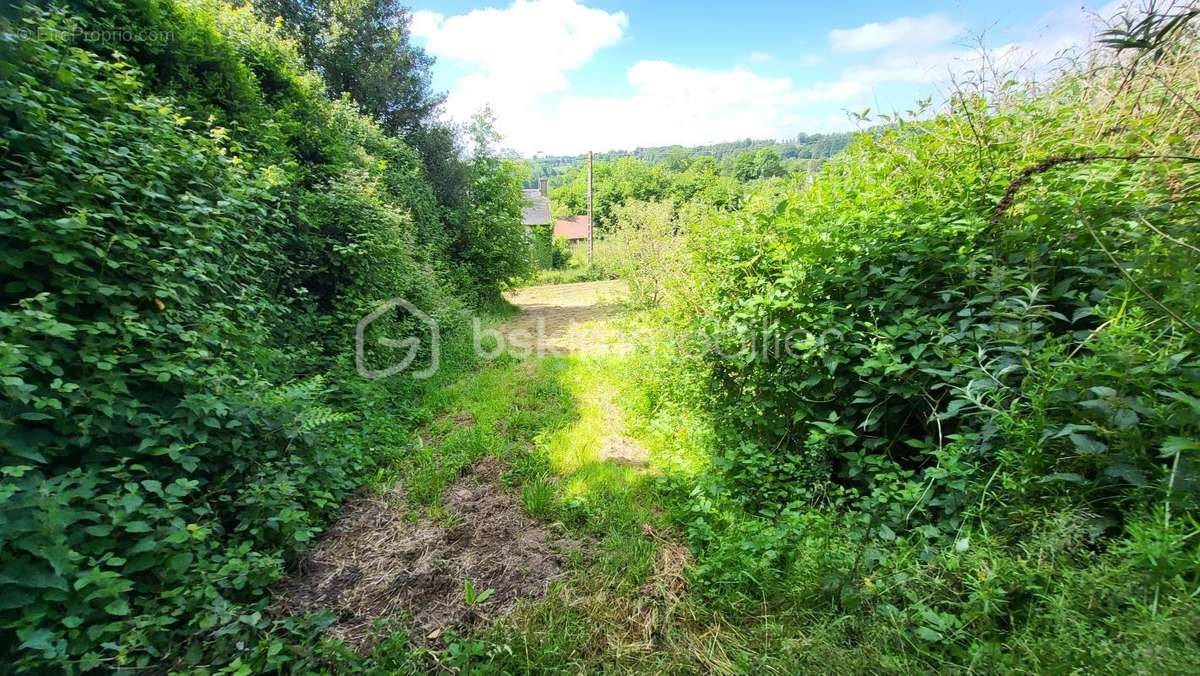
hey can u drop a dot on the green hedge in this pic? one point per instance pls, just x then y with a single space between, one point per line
953 381
191 231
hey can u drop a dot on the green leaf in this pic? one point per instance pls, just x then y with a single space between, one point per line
1174 445
131 502
12 597
24 574
1125 418
885 533
1191 401
927 634
1069 477
180 562
26 452
1085 444
1127 473
180 487
37 639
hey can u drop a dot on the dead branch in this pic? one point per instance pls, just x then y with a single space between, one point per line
1027 174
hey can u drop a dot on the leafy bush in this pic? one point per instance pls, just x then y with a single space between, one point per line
644 250
550 252
763 163
132 443
919 335
491 245
960 349
560 254
191 231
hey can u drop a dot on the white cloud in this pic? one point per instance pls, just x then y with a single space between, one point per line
525 49
930 62
518 59
905 32
676 104
517 55
425 23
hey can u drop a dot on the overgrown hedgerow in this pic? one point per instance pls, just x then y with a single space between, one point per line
191 231
986 404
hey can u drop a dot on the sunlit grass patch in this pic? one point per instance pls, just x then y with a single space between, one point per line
587 454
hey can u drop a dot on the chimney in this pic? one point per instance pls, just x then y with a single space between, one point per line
543 187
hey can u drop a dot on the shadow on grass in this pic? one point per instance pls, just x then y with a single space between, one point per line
545 419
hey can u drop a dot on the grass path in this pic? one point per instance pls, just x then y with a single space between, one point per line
580 461
561 423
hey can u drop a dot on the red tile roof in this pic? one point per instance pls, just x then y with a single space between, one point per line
575 227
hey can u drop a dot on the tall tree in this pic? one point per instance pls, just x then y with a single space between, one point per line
762 163
490 239
363 48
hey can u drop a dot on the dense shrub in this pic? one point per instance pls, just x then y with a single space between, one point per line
191 231
918 335
970 334
489 230
644 250
549 252
133 248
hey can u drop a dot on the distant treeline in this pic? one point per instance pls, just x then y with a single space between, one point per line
801 147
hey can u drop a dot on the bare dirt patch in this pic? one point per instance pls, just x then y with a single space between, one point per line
374 563
559 319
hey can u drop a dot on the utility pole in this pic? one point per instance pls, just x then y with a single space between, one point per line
590 223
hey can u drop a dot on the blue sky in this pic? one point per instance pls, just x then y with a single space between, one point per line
565 76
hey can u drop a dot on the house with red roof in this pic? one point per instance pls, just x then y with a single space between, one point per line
573 229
